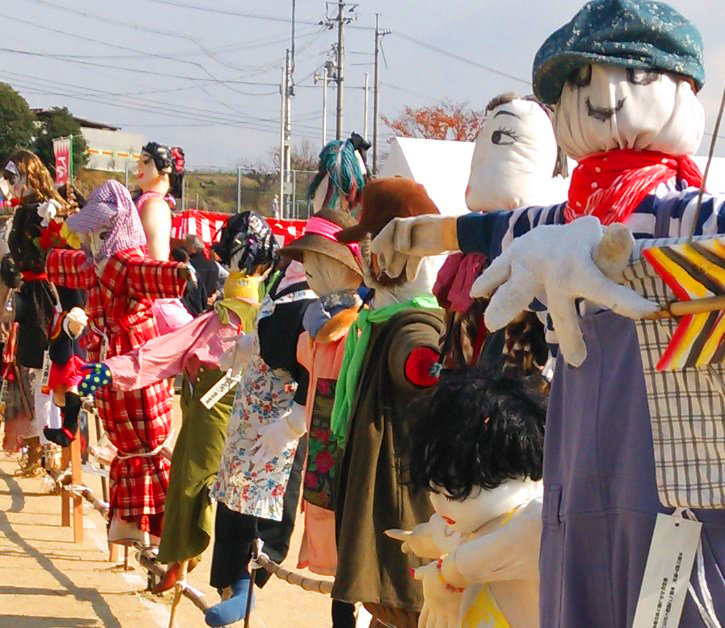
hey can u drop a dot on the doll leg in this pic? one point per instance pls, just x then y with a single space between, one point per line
69 410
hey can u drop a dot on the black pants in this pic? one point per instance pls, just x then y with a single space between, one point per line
235 532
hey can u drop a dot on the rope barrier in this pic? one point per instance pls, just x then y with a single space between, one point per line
313 585
148 563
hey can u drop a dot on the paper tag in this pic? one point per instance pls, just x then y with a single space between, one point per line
104 351
667 572
45 376
218 390
4 392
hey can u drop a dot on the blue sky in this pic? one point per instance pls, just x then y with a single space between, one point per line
207 80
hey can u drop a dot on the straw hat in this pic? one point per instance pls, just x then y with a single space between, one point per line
325 244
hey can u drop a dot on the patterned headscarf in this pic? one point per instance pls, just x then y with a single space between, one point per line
110 209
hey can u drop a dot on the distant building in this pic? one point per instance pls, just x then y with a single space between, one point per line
109 148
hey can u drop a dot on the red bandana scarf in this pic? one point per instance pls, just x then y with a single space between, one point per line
611 185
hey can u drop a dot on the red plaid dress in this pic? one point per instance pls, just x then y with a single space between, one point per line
119 307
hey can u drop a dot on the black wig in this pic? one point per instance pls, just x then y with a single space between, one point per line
249 233
477 429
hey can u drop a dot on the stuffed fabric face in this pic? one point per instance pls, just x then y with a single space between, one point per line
604 107
481 506
326 275
514 157
323 194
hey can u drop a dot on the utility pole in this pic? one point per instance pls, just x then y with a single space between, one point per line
340 66
239 189
379 34
324 78
282 119
365 106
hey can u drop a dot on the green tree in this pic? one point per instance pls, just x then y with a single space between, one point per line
16 122
61 123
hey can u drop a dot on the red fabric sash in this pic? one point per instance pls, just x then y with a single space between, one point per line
29 275
611 185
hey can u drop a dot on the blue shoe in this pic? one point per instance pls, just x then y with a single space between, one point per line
232 610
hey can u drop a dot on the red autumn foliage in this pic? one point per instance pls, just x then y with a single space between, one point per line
445 121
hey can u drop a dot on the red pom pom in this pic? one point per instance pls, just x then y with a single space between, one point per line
419 366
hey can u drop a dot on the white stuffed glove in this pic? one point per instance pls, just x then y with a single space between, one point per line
559 264
279 435
75 322
427 540
441 602
236 357
47 211
404 241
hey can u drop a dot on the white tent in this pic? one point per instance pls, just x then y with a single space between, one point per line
443 168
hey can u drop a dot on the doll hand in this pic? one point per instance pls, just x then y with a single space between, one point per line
97 375
75 322
559 264
404 241
442 603
47 211
280 435
236 357
187 273
427 540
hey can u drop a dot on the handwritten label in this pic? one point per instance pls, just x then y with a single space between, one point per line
45 375
218 390
667 572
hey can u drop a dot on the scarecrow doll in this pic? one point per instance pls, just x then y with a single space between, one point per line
121 283
625 444
389 356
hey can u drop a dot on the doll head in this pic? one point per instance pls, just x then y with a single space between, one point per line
26 175
477 445
623 74
247 244
515 155
109 221
341 177
330 265
161 168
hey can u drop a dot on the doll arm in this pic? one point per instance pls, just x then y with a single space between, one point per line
280 434
161 357
482 232
431 539
69 268
509 553
157 280
156 221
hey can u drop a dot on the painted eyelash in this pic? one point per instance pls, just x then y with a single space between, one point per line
510 132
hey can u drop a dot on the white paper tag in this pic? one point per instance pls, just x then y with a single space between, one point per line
218 390
4 392
667 572
45 376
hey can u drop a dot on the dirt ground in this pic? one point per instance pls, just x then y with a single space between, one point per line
47 581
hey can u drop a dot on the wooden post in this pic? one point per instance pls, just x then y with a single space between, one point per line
178 592
65 460
76 480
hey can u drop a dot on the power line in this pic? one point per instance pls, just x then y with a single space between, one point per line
235 13
453 55
155 31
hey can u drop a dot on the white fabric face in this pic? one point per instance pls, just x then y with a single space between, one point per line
605 107
326 275
514 157
482 506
